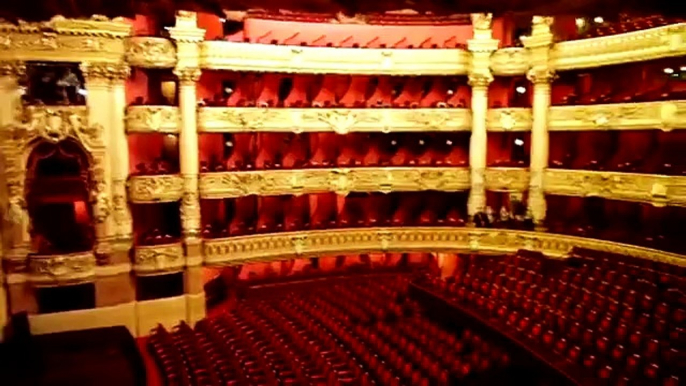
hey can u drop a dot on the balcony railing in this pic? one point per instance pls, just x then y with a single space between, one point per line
159 188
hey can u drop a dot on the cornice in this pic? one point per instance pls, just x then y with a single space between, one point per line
65 40
658 190
666 115
279 246
341 121
224 55
51 270
649 44
157 188
509 119
153 119
158 259
341 181
150 52
506 179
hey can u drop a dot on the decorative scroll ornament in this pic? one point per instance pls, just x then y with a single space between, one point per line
12 68
56 124
480 80
540 76
104 72
159 258
102 207
55 269
164 119
482 21
150 52
160 188
188 74
340 121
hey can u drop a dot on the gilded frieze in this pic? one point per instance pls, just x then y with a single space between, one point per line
65 40
506 179
342 121
52 270
157 188
150 52
509 119
235 56
153 119
648 44
655 189
341 181
619 116
510 61
158 259
258 248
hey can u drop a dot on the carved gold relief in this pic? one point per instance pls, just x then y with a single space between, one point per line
150 52
64 40
509 119
228 119
159 188
224 55
342 181
655 189
634 46
510 61
155 119
650 115
157 259
506 179
48 270
278 246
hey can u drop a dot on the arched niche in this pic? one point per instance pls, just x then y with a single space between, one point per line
57 196
52 125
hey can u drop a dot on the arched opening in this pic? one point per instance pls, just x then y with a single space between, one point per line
57 196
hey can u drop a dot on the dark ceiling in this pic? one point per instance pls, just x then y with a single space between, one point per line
44 9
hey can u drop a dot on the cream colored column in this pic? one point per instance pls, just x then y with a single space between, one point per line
16 224
99 102
188 36
541 75
119 157
481 47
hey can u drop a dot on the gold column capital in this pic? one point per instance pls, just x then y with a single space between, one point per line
14 68
541 75
188 74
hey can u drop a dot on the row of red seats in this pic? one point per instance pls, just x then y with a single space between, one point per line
309 150
327 91
157 167
589 311
267 214
640 151
628 25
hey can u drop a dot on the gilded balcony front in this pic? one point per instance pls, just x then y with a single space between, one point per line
509 119
342 181
506 179
61 269
619 116
158 188
153 119
268 247
158 259
150 52
341 121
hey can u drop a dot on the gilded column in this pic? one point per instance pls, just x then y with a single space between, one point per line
16 222
119 158
98 78
541 75
480 76
188 37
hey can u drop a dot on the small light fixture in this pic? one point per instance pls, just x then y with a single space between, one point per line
520 89
421 142
598 20
451 92
22 90
228 90
580 22
449 142
394 142
519 142
82 91
228 144
682 68
222 20
668 70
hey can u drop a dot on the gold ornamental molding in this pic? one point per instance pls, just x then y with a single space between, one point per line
658 190
649 44
158 259
510 61
341 181
341 121
150 52
158 188
506 179
153 119
666 115
224 55
98 39
279 246
509 119
53 270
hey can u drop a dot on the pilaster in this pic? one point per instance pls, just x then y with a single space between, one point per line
187 36
541 75
482 47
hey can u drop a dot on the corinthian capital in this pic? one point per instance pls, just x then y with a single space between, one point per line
188 74
480 79
104 72
16 69
540 75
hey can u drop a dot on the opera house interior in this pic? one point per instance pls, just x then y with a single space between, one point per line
338 193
